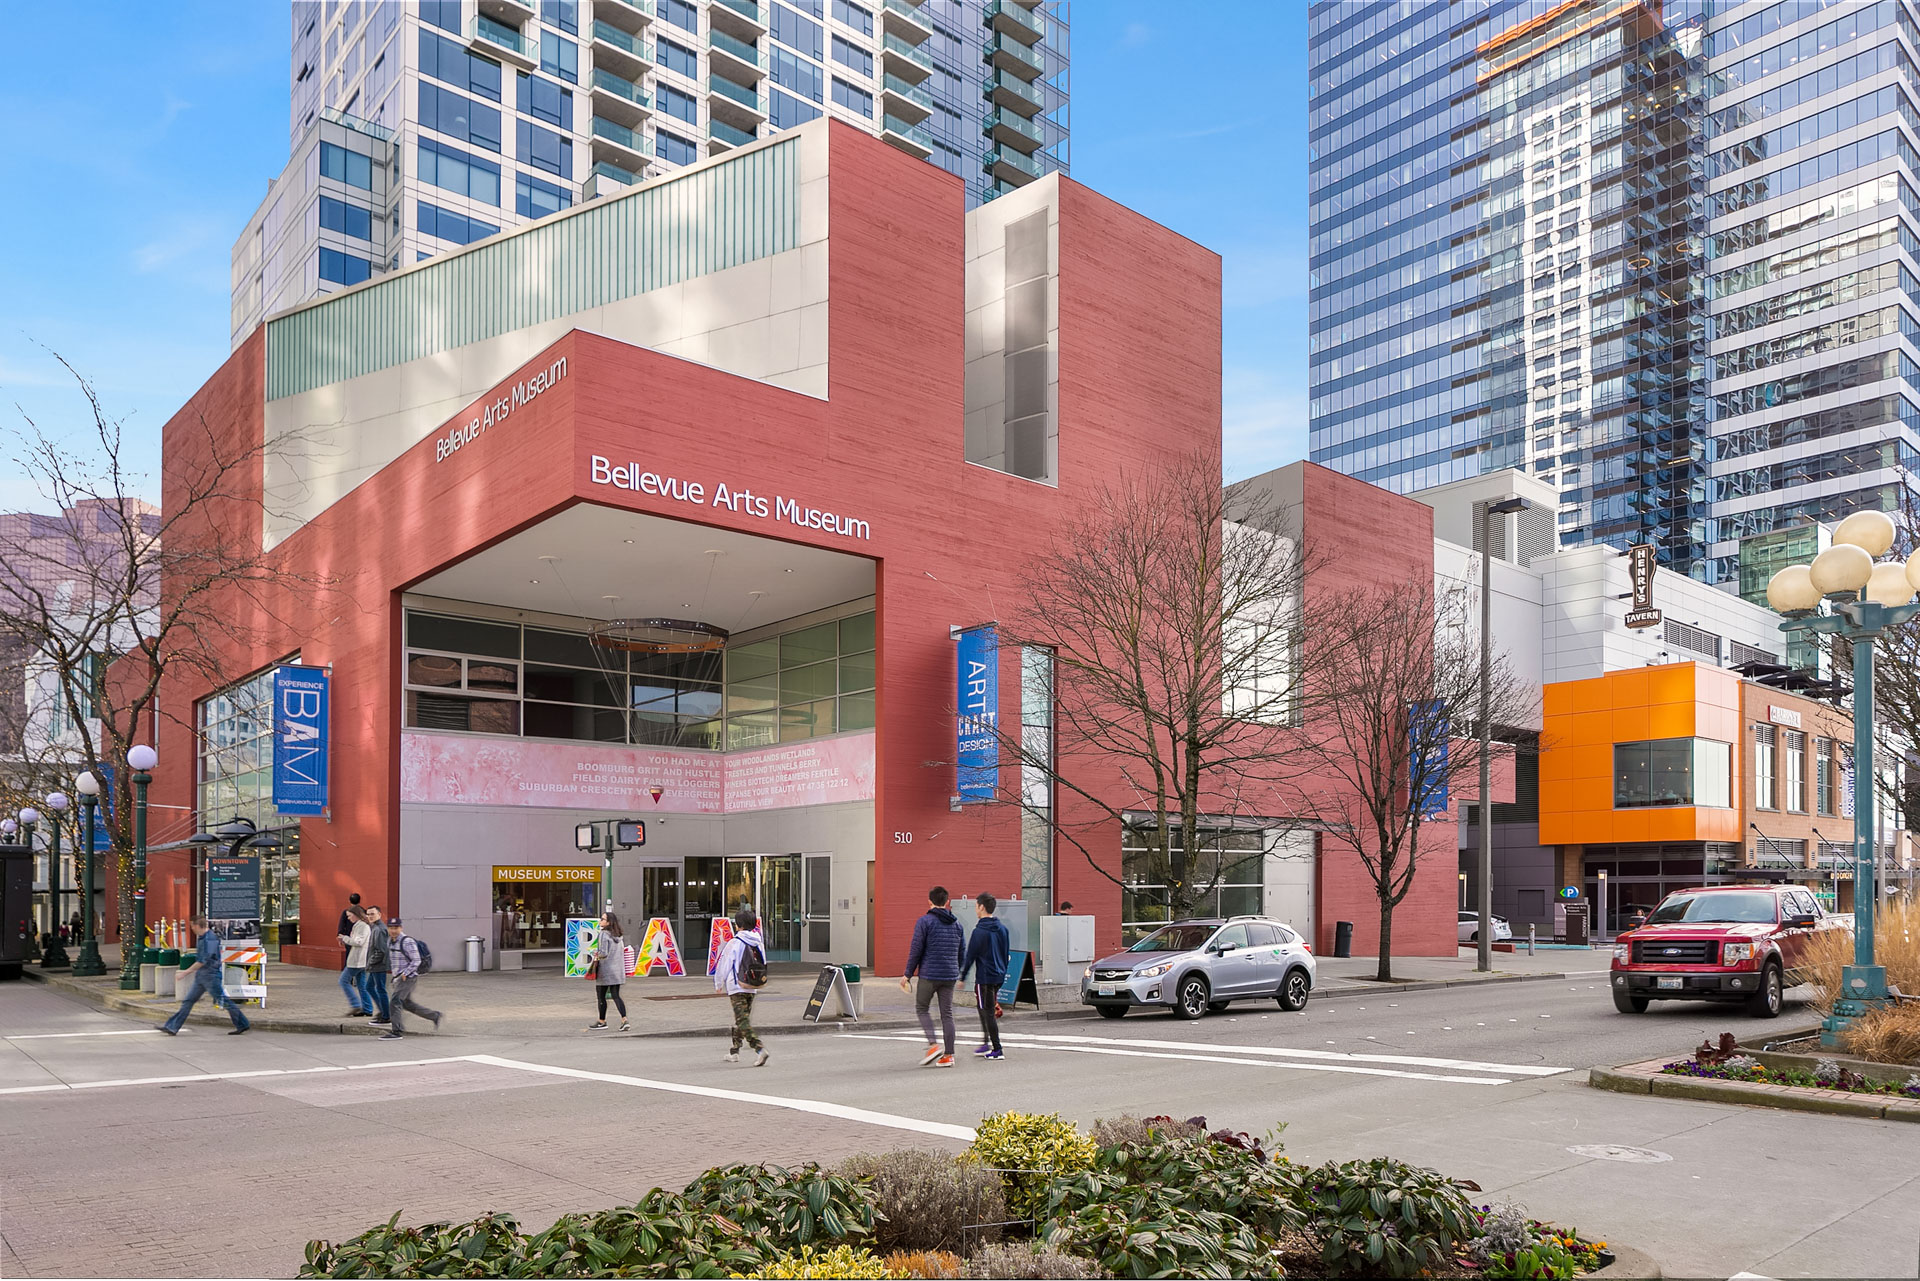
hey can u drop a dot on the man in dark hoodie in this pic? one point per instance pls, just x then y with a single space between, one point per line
987 954
938 942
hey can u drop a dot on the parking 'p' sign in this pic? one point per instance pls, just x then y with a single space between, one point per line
1569 892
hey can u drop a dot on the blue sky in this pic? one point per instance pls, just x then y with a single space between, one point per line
128 185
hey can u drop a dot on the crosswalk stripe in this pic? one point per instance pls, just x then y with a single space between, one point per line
1276 1051
1283 1064
61 1036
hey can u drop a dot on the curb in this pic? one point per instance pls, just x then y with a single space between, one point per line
1627 1263
1640 1079
1373 988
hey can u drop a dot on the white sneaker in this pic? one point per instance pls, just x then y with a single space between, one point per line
762 1060
733 1056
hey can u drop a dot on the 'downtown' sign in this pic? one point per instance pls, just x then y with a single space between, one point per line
300 729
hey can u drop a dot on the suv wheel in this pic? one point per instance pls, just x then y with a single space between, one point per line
1293 990
1765 1004
1191 1002
1627 1003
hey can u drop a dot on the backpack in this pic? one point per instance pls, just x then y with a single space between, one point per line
752 969
426 953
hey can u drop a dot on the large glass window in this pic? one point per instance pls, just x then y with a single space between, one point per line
1796 772
804 683
681 106
447 225
536 199
343 269
1229 862
346 166
235 742
1672 771
1764 793
455 171
544 149
1824 774
459 116
348 220
676 59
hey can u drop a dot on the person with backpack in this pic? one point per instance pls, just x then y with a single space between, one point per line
741 973
987 954
609 971
935 956
379 947
408 958
355 937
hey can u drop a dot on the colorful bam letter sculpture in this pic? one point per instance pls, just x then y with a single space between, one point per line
717 939
658 948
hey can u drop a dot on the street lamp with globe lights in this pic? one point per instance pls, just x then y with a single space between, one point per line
28 816
55 957
1867 597
88 964
140 759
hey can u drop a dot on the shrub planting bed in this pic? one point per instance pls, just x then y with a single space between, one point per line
1033 1196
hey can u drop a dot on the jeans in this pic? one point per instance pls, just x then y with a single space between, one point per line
402 999
377 985
923 999
600 992
988 996
207 983
353 981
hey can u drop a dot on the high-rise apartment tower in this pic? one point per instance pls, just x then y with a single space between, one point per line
422 125
1658 254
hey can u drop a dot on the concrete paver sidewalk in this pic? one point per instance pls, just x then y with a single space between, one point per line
545 1003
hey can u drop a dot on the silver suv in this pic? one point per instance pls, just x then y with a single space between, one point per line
1198 966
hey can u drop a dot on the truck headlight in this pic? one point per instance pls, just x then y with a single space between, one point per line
1620 952
1735 952
1153 971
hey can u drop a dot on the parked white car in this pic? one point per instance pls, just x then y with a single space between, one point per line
1470 928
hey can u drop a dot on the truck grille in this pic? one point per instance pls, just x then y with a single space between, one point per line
1676 952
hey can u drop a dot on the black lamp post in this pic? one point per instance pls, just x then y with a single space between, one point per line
88 964
56 955
133 946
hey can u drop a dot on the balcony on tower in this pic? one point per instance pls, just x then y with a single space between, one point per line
739 106
1004 53
908 102
1003 89
623 147
1011 18
901 58
497 39
623 53
619 99
741 61
744 20
902 18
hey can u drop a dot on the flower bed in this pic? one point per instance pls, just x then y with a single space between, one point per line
1825 1074
1033 1197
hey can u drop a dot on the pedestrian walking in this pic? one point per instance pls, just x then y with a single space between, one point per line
404 955
741 973
209 979
935 957
987 954
356 938
379 951
609 971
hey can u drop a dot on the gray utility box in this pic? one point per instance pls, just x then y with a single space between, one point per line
1066 948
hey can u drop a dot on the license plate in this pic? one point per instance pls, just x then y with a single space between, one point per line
1669 983
1106 991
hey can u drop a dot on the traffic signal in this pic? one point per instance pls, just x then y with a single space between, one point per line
629 832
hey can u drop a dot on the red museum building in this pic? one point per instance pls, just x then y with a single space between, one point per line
796 392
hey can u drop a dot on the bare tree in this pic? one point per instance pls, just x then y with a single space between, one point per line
1394 735
105 580
1169 607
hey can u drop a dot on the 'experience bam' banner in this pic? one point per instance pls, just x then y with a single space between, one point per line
300 728
977 751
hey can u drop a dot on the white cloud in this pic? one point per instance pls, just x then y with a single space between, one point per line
185 238
1136 35
1263 420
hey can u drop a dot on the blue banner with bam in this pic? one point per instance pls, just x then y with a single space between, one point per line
977 751
300 732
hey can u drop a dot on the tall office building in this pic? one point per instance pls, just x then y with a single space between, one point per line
1622 246
422 125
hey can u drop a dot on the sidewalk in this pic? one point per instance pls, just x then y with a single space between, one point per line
544 1003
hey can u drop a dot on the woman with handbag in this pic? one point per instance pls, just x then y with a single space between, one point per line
609 972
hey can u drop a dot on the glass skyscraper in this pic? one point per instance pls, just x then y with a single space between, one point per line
418 126
1601 242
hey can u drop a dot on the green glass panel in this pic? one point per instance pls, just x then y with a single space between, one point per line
806 720
748 696
756 729
809 644
856 633
856 711
804 684
856 673
762 658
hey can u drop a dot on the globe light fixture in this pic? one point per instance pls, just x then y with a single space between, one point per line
29 816
142 757
8 827
88 963
1791 591
57 802
86 784
1841 569
1862 599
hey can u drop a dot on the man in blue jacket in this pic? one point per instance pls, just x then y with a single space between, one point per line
935 957
987 953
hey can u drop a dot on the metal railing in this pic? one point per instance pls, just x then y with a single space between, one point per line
726 133
740 49
739 93
604 128
890 123
621 40
911 92
620 87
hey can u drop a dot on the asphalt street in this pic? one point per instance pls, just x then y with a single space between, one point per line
131 1153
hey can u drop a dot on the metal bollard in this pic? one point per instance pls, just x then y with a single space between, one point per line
1530 938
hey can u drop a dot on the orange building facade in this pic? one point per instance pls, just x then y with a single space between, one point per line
1650 779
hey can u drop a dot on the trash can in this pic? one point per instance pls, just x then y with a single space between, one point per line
853 989
1343 938
473 953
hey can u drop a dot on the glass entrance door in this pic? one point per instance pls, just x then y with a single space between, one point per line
743 884
780 908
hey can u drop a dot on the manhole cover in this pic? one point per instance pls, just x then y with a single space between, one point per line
1614 1152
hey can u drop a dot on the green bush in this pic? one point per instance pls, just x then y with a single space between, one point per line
662 1235
1019 1261
791 1206
1150 1230
1204 1173
476 1249
1119 1131
807 1262
929 1200
1384 1217
1027 1151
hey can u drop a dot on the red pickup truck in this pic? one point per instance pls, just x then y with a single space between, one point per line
1744 943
